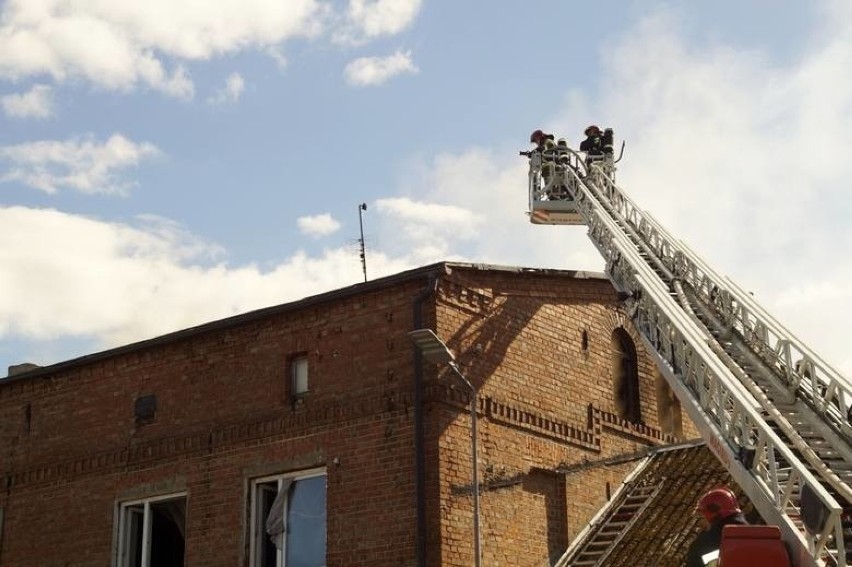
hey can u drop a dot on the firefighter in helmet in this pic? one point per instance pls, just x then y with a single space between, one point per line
544 143
718 507
593 145
540 139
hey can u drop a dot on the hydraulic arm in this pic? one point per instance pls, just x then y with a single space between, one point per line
774 413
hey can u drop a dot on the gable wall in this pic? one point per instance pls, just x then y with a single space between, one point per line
544 401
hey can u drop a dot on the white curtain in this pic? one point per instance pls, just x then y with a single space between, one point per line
276 521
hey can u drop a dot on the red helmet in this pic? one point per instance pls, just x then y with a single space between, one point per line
591 129
717 504
536 136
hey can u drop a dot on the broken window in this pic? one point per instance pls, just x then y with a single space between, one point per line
152 532
625 371
289 520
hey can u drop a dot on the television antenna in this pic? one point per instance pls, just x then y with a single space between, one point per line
362 207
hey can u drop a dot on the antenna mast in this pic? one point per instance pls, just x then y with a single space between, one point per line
362 207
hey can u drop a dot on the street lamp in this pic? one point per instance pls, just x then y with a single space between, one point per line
434 350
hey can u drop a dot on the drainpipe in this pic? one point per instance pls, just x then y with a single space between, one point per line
419 441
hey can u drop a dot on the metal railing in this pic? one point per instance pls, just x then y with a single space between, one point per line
806 375
637 250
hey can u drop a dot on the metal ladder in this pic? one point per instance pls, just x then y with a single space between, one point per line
772 411
604 533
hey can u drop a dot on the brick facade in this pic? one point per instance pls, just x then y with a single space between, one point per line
204 411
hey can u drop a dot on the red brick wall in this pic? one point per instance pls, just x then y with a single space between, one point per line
544 401
224 416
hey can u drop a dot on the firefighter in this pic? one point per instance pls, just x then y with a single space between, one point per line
540 139
593 145
542 143
719 508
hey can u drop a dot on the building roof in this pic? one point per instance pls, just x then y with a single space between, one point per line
652 515
29 371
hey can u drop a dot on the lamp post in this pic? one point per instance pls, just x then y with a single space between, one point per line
434 350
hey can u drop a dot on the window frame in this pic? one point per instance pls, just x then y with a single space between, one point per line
123 534
257 533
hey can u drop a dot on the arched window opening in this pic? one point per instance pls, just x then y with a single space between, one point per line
625 371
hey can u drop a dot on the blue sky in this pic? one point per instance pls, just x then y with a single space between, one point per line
168 163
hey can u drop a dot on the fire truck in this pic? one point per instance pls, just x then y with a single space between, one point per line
773 412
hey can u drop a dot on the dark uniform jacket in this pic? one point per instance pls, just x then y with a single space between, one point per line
593 145
710 540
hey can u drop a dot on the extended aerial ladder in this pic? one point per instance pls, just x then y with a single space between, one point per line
771 410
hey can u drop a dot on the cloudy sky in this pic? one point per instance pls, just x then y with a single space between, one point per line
171 162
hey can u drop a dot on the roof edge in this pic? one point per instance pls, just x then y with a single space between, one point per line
628 457
341 293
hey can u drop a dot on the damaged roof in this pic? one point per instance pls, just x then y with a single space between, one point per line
652 514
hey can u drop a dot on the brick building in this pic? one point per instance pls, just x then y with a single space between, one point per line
319 421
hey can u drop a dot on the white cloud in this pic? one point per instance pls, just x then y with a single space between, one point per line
231 92
366 19
122 283
125 45
318 225
471 206
369 71
84 165
728 150
278 56
449 217
120 45
35 103
731 152
745 146
427 231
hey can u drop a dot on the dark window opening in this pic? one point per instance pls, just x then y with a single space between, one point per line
625 369
266 496
167 534
145 409
153 533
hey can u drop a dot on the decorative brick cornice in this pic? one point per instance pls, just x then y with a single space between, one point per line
463 297
587 436
304 419
612 422
541 425
315 419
